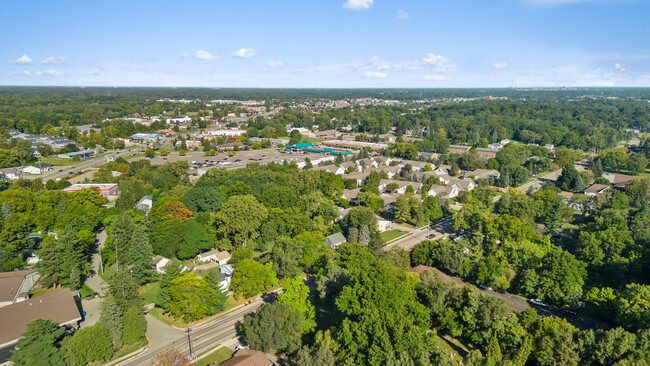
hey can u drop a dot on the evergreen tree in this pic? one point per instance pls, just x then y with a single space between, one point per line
353 235
364 235
64 260
140 255
39 344
308 164
6 211
164 299
111 317
339 159
121 231
134 325
402 209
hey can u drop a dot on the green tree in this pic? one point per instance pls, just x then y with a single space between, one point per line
555 344
134 325
88 344
149 153
561 277
39 345
637 163
111 317
191 297
251 278
402 209
163 298
296 294
140 256
274 327
239 219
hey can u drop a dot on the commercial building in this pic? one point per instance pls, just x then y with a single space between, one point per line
105 189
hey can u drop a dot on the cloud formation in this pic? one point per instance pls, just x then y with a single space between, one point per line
500 65
275 64
401 14
621 67
52 60
374 75
205 55
49 72
22 60
244 53
358 4
27 73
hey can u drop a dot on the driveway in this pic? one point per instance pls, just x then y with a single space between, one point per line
93 280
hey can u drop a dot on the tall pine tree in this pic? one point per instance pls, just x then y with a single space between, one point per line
140 255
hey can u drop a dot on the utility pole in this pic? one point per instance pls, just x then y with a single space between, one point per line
189 341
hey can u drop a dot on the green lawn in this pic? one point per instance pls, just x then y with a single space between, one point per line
58 162
447 348
149 292
389 235
645 174
217 356
85 291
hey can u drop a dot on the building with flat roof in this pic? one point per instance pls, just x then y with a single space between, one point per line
105 189
146 136
59 306
83 154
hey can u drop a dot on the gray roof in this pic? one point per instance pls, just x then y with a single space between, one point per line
335 240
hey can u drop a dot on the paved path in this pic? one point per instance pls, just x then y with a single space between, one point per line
537 183
93 280
434 232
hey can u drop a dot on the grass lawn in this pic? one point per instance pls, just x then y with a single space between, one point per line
216 357
42 291
158 314
125 350
59 162
85 291
387 236
149 292
447 348
313 140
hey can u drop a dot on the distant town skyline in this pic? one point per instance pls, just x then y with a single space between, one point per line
326 44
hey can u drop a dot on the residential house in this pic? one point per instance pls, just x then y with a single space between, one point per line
333 241
230 146
351 166
145 204
442 170
338 170
401 185
214 256
464 185
367 163
15 286
159 262
597 189
38 168
383 225
391 171
226 272
59 306
443 191
359 177
427 155
247 357
422 176
389 201
351 194
488 175
382 160
486 152
10 174
621 181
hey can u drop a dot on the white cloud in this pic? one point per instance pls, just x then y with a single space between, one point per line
621 67
53 60
205 55
500 65
275 64
49 72
22 60
431 61
374 75
244 53
358 4
27 73
185 55
434 77
401 14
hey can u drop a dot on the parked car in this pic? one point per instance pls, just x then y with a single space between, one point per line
538 302
485 287
237 160
570 313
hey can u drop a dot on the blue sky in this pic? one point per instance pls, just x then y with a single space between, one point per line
326 43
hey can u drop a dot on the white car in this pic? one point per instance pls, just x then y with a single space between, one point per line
538 302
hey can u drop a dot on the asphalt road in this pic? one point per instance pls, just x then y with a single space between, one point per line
203 337
434 232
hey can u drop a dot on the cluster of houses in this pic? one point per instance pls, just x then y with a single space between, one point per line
214 257
55 142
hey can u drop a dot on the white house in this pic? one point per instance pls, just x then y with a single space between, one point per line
38 168
185 119
214 256
444 191
145 204
367 163
10 173
338 170
159 262
383 225
226 273
464 185
359 177
401 185
382 160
